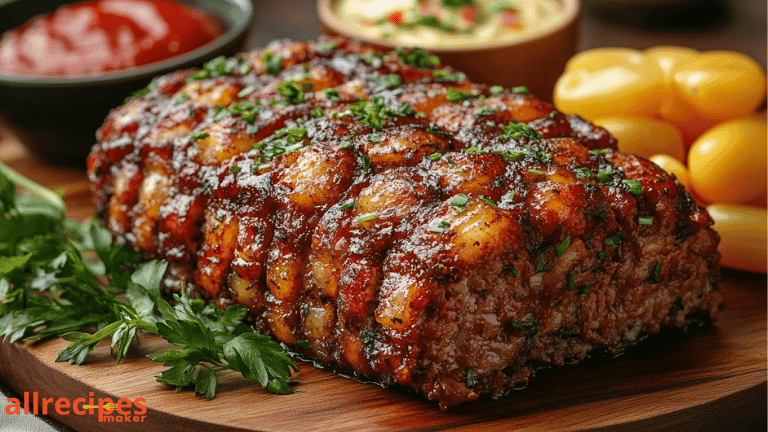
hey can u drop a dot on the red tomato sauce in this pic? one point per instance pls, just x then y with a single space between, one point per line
103 35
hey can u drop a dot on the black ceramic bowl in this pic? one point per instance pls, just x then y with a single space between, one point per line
57 117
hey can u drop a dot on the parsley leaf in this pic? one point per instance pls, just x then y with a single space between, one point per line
59 277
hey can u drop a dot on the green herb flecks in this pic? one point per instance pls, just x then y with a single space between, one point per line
444 75
292 93
418 57
582 172
488 201
528 325
515 131
372 113
531 152
485 110
633 186
614 239
605 177
438 226
325 47
455 95
459 202
368 217
563 246
273 63
496 90
219 66
653 278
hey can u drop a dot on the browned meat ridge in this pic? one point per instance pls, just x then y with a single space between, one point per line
408 226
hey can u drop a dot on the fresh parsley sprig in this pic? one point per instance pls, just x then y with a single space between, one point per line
59 277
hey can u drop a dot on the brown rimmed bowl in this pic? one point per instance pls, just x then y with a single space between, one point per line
534 61
57 117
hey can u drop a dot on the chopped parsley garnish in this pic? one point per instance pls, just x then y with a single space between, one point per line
645 220
142 92
569 280
497 90
471 380
246 91
528 325
366 162
348 205
582 172
368 217
512 269
374 137
583 291
327 46
317 112
290 91
634 186
245 67
273 63
527 151
368 337
600 151
218 113
438 226
263 167
345 144
331 94
459 202
539 265
372 113
456 3
234 169
605 176
383 82
199 135
295 133
183 97
653 278
418 57
454 95
614 239
219 66
435 156
444 75
520 90
537 172
517 130
485 110
488 201
561 248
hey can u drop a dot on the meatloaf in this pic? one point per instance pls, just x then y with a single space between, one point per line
386 217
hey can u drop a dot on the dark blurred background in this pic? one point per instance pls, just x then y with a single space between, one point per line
738 25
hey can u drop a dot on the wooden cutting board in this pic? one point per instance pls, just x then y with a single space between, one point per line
712 380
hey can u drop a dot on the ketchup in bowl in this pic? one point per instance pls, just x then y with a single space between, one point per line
104 35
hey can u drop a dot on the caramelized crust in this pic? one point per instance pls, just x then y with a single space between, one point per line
408 226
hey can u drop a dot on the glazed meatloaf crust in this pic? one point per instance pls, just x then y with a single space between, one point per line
385 217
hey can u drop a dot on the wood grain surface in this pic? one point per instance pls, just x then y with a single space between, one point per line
714 379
